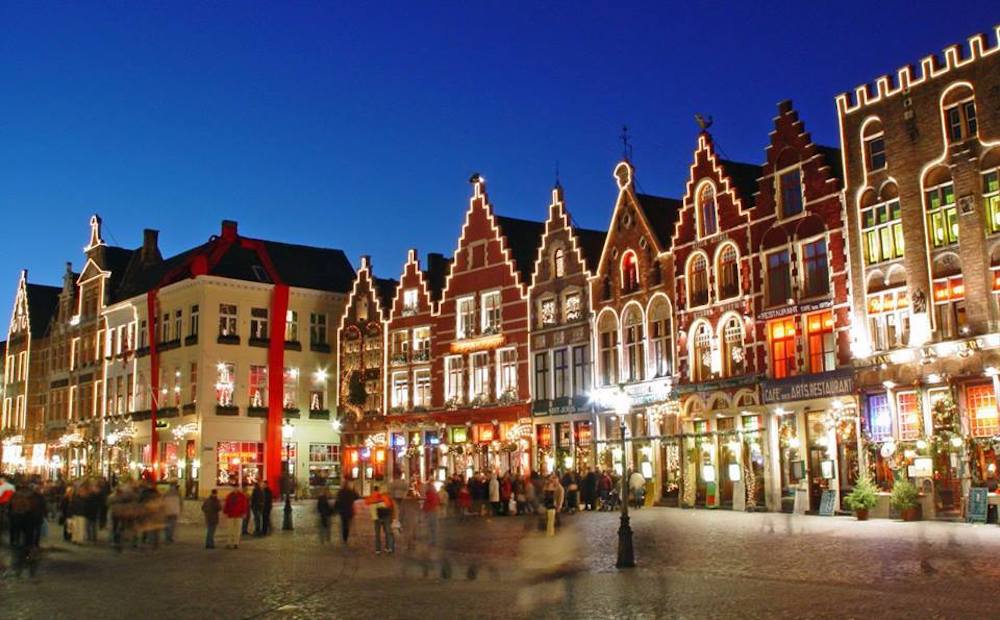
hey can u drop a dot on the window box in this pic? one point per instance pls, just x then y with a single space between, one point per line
191 340
256 412
227 410
170 344
319 347
228 340
140 416
422 355
142 352
291 413
259 342
188 409
540 406
398 359
319 414
293 345
168 412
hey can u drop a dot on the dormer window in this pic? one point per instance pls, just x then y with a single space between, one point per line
707 223
630 272
409 302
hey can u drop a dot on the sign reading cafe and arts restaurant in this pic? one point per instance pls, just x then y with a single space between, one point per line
805 387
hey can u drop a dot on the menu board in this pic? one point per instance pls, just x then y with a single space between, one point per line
978 505
826 503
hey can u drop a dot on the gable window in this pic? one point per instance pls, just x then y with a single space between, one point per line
660 338
790 184
781 337
816 269
889 319
630 272
317 328
572 308
410 302
961 119
942 216
822 345
541 376
491 313
454 375
698 281
779 282
733 352
707 224
465 317
981 403
991 199
507 371
882 232
875 150
258 323
701 352
547 312
949 307
559 262
608 343
422 388
635 368
728 273
361 310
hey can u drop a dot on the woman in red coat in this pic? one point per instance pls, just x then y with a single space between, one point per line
235 509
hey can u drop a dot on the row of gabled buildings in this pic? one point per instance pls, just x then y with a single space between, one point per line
759 341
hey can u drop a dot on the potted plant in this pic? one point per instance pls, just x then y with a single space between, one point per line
905 499
862 497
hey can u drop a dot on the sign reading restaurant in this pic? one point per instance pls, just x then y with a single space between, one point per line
805 387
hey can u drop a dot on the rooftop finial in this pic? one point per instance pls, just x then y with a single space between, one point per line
626 143
703 122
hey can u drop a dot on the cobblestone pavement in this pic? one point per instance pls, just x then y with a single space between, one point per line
691 564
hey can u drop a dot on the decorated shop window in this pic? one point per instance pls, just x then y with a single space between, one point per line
258 386
991 199
908 413
879 417
782 340
889 319
573 307
949 307
547 312
225 382
239 462
734 354
290 388
981 405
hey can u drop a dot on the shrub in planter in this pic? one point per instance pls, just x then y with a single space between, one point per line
862 497
905 499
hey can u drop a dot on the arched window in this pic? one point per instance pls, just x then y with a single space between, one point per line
661 337
873 139
701 353
734 355
728 270
559 262
707 224
630 272
635 366
959 109
697 281
607 341
939 202
881 225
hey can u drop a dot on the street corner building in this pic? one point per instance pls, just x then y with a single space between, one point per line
760 341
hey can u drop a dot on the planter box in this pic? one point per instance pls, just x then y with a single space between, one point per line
225 410
291 414
191 340
259 342
167 412
319 414
319 348
256 412
228 340
188 409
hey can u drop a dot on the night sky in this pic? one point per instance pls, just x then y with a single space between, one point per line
356 125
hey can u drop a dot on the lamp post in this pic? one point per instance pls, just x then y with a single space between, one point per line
626 552
287 432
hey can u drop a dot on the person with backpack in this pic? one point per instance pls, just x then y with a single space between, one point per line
211 509
344 506
381 507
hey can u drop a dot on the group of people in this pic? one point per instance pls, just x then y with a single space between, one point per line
240 506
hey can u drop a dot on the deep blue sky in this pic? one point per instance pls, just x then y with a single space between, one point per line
356 125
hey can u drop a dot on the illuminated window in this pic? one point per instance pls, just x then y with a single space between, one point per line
816 268
291 326
559 262
491 312
258 323
961 120
410 302
225 382
822 344
635 367
480 378
908 413
547 312
290 388
192 382
728 273
573 307
399 346
707 224
608 342
454 376
949 307
779 278
422 388
541 376
781 336
258 386
698 281
317 329
661 338
879 417
791 193
507 371
981 403
192 322
421 344
889 319
630 272
882 232
701 352
942 216
875 150
734 354
465 317
400 390
991 200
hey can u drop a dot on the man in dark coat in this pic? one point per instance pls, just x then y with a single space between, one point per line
344 506
590 490
211 508
257 507
266 514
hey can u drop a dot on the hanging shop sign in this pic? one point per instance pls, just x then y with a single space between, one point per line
482 343
806 387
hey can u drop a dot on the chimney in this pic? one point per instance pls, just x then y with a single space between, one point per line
150 249
228 229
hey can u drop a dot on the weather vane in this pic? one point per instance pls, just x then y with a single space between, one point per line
703 122
626 143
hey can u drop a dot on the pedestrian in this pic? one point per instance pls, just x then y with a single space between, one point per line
381 508
637 488
151 519
118 505
257 506
549 500
397 491
325 512
245 530
344 506
494 491
235 509
465 502
506 491
211 508
265 517
589 490
408 513
171 512
604 485
27 514
430 507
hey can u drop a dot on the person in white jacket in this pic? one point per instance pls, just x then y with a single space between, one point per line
637 488
171 511
495 494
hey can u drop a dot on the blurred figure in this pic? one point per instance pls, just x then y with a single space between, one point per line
381 508
171 512
604 486
235 509
245 530
151 514
637 489
325 512
494 493
506 492
588 490
549 500
344 506
118 506
430 507
257 506
265 516
211 509
408 512
397 491
27 515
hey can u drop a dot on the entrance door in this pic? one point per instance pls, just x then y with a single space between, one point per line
727 457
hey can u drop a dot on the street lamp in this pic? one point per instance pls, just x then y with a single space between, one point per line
287 432
626 552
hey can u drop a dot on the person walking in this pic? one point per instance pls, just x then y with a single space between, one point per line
589 490
343 505
494 491
430 507
397 491
211 508
265 516
637 489
325 512
91 509
171 512
506 491
236 508
257 506
381 507
549 500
